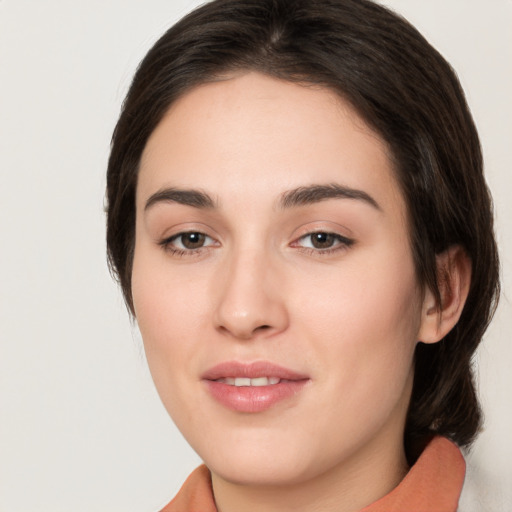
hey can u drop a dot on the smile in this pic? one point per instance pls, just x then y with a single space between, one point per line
252 387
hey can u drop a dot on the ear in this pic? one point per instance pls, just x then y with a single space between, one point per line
454 279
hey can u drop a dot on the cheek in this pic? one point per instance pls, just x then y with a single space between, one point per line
365 320
364 296
169 310
165 297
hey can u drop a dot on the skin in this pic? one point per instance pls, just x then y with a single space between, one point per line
348 316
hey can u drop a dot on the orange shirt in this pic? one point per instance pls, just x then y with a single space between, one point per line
433 484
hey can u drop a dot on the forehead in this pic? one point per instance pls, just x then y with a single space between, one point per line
256 135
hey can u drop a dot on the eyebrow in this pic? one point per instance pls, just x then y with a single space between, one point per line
188 197
315 193
300 196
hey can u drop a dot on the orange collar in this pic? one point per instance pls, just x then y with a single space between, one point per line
433 484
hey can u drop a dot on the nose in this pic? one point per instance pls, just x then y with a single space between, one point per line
251 300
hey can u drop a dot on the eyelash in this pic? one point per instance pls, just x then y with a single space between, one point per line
341 243
166 244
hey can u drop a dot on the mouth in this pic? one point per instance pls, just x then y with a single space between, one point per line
246 381
253 387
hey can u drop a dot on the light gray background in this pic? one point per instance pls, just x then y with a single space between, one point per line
81 427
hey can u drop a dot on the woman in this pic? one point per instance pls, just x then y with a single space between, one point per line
299 221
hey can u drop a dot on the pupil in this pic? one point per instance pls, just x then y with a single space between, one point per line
322 240
192 240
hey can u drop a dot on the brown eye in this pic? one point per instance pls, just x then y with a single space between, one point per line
192 240
188 243
323 240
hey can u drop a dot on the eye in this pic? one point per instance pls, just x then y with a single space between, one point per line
323 241
187 242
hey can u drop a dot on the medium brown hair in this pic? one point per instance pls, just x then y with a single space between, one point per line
403 88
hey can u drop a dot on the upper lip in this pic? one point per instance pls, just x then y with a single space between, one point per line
251 370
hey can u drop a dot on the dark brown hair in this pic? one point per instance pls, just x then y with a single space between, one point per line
405 90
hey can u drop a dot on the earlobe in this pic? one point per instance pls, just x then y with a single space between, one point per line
454 279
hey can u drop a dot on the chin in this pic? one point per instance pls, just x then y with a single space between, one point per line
262 458
264 471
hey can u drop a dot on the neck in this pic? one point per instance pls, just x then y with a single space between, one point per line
348 487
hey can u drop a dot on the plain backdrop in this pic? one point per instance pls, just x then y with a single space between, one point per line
81 426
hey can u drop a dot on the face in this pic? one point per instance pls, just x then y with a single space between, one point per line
273 280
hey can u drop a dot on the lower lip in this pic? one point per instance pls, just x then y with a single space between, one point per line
253 398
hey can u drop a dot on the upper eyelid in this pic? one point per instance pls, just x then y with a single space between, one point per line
189 232
326 231
184 228
323 226
342 238
310 229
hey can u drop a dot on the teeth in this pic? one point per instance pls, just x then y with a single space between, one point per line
260 381
245 381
